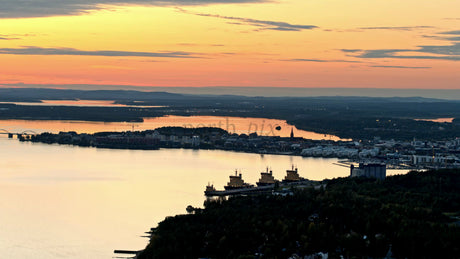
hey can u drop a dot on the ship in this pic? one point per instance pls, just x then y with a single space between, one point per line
236 182
266 178
209 189
292 175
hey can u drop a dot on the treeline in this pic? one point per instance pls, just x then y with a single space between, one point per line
416 214
356 127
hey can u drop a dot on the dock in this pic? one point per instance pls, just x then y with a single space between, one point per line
256 190
127 252
240 191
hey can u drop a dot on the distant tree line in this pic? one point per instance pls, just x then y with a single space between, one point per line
346 117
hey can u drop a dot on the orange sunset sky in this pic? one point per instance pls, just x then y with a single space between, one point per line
291 43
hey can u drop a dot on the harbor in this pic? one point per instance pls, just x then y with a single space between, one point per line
266 184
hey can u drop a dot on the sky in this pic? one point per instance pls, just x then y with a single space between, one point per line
410 44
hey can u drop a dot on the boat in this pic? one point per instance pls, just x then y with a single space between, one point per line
292 175
209 189
236 182
266 178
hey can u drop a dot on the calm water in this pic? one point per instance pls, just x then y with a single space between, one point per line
440 120
265 127
59 201
73 202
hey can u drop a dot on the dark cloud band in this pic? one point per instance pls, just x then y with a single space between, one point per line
322 60
106 53
397 28
261 24
44 8
408 67
442 52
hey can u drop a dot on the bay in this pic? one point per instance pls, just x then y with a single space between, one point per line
61 201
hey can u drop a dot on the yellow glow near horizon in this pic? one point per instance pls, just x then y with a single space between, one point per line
237 45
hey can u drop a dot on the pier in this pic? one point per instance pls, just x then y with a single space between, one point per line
127 252
259 189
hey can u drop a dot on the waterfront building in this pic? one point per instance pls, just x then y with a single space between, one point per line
369 170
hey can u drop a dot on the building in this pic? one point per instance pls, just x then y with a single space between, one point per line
369 170
196 141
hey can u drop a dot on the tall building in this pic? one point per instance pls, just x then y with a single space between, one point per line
369 170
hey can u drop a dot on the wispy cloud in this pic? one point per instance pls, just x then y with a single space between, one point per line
451 32
408 67
398 28
30 50
14 36
433 52
445 35
322 60
8 38
202 45
260 24
44 8
437 37
351 50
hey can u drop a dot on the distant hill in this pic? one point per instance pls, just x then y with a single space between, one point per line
37 94
448 94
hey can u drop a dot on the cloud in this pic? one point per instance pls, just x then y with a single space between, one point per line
444 52
45 8
321 60
451 32
351 50
261 24
195 45
401 67
398 28
456 38
8 38
30 50
452 38
14 36
445 35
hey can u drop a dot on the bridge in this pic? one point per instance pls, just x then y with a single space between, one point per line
18 134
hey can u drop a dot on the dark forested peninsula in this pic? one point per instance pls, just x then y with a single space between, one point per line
417 215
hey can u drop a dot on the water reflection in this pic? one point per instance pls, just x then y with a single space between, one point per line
265 127
440 120
60 201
